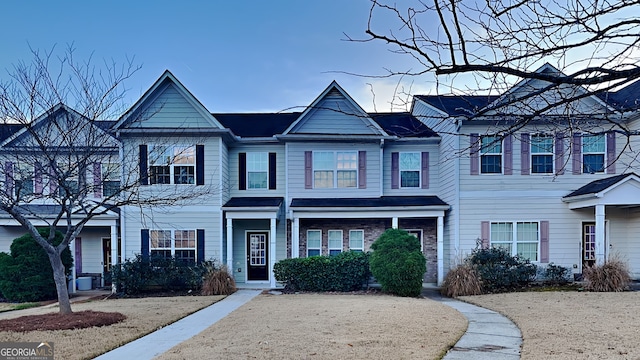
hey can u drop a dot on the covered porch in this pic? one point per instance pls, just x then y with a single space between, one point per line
359 221
614 203
251 238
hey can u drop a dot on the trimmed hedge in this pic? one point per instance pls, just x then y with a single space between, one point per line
26 274
397 263
347 271
500 271
138 275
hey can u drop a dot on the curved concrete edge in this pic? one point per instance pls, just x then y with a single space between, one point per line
158 342
489 336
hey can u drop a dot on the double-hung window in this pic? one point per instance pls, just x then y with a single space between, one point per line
593 152
490 155
541 154
172 164
333 169
410 165
23 176
335 242
314 242
67 179
180 244
110 179
518 238
356 240
257 170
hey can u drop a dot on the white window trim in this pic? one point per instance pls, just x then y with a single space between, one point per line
514 241
603 153
172 165
329 248
532 154
173 246
420 238
335 168
266 154
318 248
419 170
481 153
354 230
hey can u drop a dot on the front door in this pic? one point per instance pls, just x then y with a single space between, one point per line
257 256
588 244
106 260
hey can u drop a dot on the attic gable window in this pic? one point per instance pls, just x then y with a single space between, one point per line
490 155
593 152
172 164
335 169
542 154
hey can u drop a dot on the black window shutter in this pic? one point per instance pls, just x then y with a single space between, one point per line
200 245
144 244
144 175
272 171
242 171
199 164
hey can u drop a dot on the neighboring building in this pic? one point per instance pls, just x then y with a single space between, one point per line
249 190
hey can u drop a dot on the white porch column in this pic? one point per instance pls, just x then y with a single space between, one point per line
230 245
440 247
72 248
114 253
295 238
272 252
394 222
600 250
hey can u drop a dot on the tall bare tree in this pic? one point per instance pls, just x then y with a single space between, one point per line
484 47
60 164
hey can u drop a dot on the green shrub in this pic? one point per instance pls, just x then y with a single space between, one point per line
462 280
347 271
500 271
26 274
397 263
610 276
556 274
217 281
138 275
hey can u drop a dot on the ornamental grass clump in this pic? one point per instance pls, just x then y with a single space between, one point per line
462 280
612 276
217 281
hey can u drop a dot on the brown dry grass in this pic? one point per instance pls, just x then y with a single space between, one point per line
571 325
143 316
326 326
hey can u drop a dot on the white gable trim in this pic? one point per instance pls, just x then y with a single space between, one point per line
334 85
632 197
155 90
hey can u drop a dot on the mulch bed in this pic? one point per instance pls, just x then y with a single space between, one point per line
55 321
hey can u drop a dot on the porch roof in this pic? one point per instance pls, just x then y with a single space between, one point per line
246 202
383 201
623 189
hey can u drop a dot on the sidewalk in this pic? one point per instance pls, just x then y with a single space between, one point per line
489 335
160 341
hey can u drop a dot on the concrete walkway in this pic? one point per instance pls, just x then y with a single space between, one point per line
160 341
489 336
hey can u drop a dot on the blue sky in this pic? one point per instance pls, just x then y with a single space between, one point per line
234 56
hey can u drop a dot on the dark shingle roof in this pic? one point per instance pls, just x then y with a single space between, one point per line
458 105
254 202
384 201
599 185
402 124
257 125
6 130
627 98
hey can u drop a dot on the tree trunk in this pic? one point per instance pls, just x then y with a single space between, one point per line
61 282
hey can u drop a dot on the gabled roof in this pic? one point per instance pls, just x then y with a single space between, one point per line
600 185
16 132
627 98
257 125
148 98
353 111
